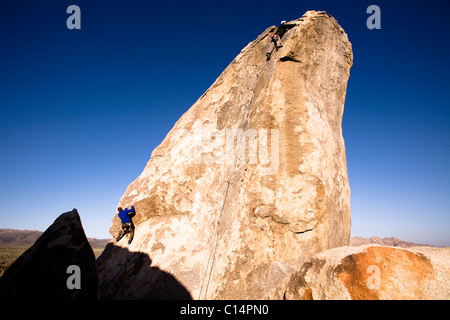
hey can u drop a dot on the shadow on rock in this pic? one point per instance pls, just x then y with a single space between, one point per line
127 275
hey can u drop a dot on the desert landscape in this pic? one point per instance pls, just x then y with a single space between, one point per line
246 198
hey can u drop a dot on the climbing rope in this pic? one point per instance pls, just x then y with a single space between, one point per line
216 233
212 253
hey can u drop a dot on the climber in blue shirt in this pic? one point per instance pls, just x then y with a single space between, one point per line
125 216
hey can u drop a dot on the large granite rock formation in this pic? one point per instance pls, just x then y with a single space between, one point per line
252 179
371 272
43 272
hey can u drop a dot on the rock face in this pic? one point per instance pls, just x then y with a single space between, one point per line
252 179
371 272
42 272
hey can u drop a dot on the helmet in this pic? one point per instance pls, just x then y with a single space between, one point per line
283 22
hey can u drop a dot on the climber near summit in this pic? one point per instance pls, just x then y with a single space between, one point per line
276 37
127 224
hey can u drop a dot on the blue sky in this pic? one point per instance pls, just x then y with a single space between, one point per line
82 110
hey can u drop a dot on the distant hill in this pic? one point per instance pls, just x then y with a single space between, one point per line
393 242
12 237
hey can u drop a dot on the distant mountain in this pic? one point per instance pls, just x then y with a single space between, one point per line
393 242
12 237
98 243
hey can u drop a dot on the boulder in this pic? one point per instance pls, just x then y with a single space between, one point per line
371 272
44 271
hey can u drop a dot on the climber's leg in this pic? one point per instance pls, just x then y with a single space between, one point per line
277 41
274 43
131 233
121 233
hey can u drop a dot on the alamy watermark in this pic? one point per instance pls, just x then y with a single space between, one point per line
74 280
374 21
374 280
74 20
228 147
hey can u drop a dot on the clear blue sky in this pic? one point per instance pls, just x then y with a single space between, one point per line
82 110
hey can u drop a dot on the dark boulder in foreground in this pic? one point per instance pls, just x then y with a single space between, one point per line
60 265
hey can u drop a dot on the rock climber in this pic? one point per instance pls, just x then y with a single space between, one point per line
125 216
276 37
